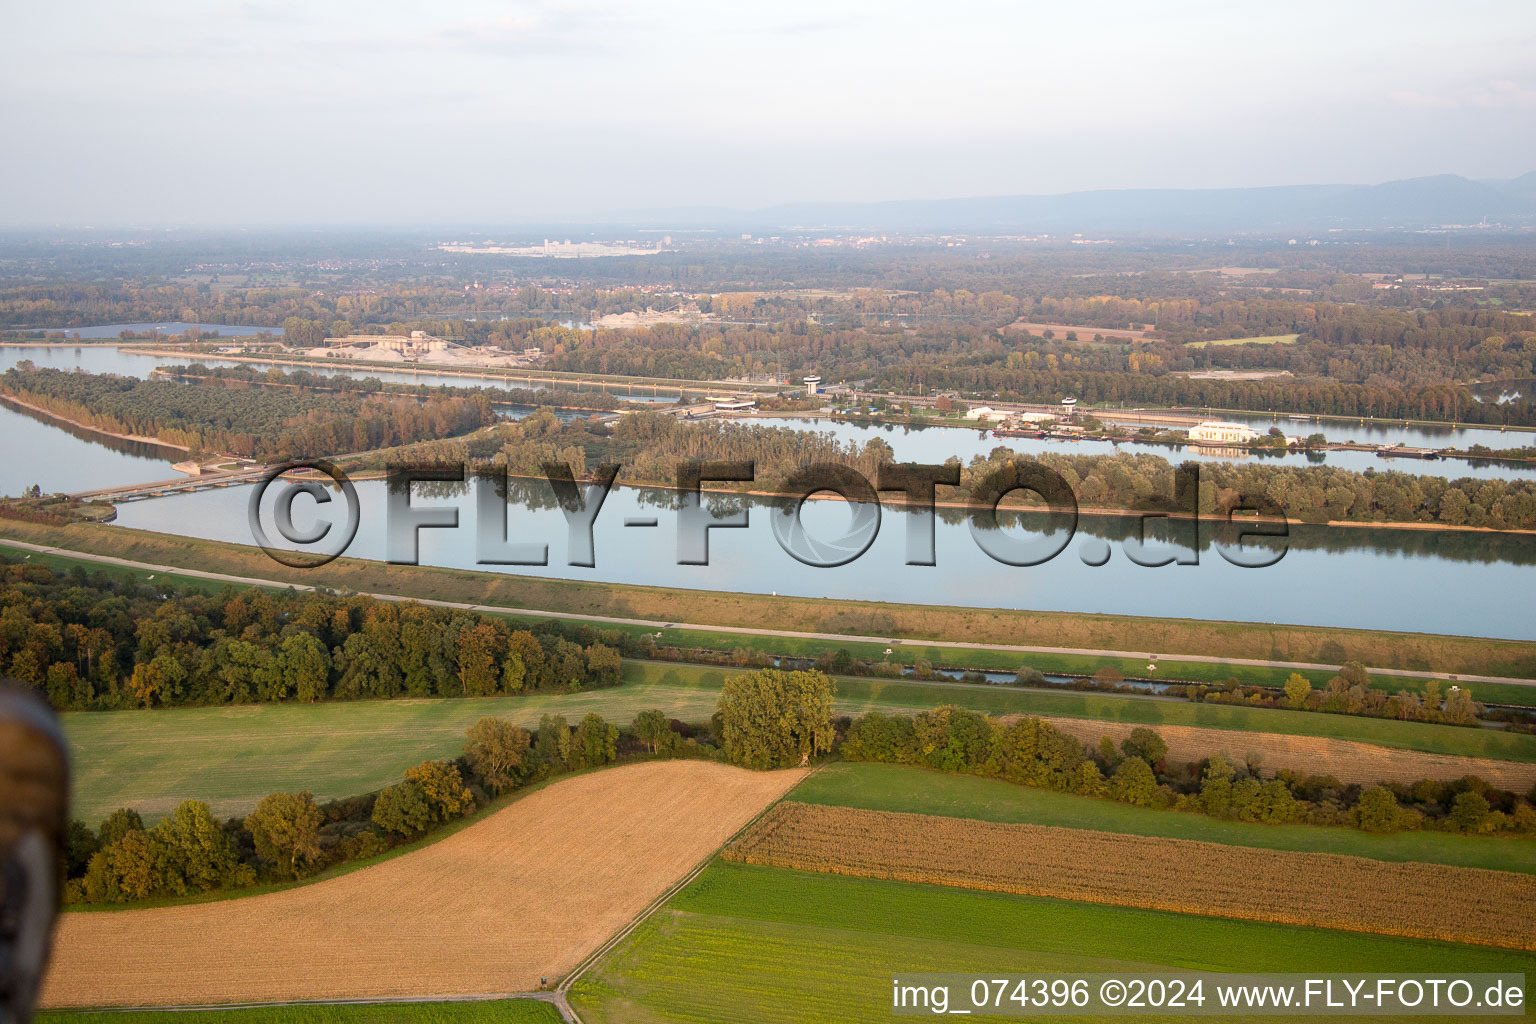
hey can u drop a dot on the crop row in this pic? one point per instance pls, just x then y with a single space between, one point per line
1319 889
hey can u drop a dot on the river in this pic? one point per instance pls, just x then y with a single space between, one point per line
935 444
60 458
1375 578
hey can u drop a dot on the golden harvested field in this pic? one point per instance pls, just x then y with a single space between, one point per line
524 894
1347 760
1326 890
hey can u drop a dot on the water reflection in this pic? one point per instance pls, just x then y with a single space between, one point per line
1385 579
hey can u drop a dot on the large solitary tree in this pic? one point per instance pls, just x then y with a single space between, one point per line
772 718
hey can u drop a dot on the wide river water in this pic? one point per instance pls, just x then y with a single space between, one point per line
1467 583
1388 579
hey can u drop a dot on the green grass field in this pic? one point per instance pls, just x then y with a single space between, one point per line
887 787
1268 339
745 943
233 756
494 1011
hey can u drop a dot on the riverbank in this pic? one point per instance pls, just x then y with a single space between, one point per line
138 438
1510 659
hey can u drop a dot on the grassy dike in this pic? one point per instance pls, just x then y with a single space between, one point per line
577 599
906 654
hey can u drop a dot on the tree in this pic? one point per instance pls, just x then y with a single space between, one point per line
1469 813
126 870
195 854
1377 811
653 729
1090 780
1109 676
80 845
497 752
513 672
118 824
479 657
1216 786
157 680
305 667
1134 783
603 665
595 742
568 664
402 809
1297 689
952 738
286 830
1458 708
553 745
1146 744
528 650
770 717
443 787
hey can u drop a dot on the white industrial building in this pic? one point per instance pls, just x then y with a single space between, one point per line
1219 432
985 413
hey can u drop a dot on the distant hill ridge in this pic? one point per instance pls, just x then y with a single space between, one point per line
1412 203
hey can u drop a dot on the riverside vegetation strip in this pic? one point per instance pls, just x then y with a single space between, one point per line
1236 640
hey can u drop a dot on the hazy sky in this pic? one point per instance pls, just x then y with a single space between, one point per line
278 112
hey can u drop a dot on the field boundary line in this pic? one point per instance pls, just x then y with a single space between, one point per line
469 997
491 609
590 960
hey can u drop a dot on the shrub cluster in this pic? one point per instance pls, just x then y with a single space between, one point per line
1033 752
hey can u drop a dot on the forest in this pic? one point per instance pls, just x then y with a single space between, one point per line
650 445
269 425
99 642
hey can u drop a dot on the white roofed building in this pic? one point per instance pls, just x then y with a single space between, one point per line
1219 432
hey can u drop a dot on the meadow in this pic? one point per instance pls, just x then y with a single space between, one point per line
232 756
753 944
490 1011
889 787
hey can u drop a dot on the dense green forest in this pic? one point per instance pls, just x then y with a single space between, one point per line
94 641
261 423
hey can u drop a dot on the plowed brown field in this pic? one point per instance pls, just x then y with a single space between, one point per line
524 894
1321 889
1348 760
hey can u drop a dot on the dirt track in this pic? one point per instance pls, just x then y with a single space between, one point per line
524 894
1346 760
